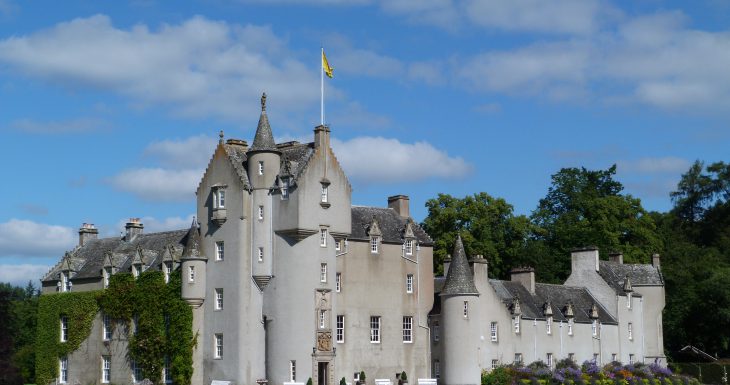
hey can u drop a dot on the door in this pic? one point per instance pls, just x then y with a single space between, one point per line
322 373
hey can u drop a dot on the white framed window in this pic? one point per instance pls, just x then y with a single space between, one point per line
338 282
436 331
325 193
407 329
64 328
631 332
167 269
375 329
106 369
323 272
166 372
628 300
571 356
220 251
549 325
106 329
594 328
614 357
323 237
516 323
261 213
107 276
409 246
261 167
191 273
322 319
338 245
570 326
437 368
495 364
136 371
518 358
261 254
221 199
285 189
63 370
631 359
135 270
374 243
466 309
219 299
550 360
340 329
218 352
65 282
493 331
292 371
409 283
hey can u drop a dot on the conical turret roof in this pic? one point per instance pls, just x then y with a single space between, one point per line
264 138
459 279
192 243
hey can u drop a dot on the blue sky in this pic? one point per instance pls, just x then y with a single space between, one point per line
110 110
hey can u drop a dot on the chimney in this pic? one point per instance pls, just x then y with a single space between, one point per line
584 259
525 276
616 257
238 143
400 203
447 263
134 228
656 260
321 136
479 268
87 232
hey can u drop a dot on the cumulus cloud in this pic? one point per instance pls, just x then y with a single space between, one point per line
158 184
24 238
384 160
194 151
19 275
78 125
199 67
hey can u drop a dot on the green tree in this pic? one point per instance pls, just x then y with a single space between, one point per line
487 226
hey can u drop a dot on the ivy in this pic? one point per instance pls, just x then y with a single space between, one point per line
80 308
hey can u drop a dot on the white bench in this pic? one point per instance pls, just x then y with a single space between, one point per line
427 381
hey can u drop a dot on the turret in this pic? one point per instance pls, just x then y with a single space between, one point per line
193 268
263 156
460 320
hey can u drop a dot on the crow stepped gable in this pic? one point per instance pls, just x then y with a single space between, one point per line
288 280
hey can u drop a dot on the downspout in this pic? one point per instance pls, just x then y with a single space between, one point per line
418 313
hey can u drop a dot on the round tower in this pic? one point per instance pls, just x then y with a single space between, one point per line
460 322
193 265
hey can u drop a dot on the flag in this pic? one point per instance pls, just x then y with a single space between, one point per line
326 66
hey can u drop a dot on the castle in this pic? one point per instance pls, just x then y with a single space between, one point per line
288 280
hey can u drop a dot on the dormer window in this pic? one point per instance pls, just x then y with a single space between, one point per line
516 322
409 246
374 244
219 204
136 269
285 188
167 269
107 273
261 167
65 281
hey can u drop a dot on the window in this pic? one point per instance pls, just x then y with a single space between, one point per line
338 282
261 254
570 326
64 328
409 247
495 364
285 189
631 359
166 372
374 241
261 213
571 356
106 328
219 299
594 328
323 237
292 371
322 319
261 168
65 282
135 270
549 325
407 329
325 193
323 272
518 358
191 273
375 329
493 331
631 331
436 331
338 245
550 360
218 346
167 268
595 358
340 329
516 323
136 372
466 309
63 369
409 283
107 276
628 300
219 251
437 369
221 199
614 357
106 369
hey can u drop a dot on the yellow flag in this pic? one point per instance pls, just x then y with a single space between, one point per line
326 66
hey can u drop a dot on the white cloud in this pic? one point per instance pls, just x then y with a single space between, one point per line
194 151
19 275
662 165
383 160
154 225
159 184
24 238
78 125
197 68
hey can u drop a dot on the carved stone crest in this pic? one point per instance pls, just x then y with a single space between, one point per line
324 341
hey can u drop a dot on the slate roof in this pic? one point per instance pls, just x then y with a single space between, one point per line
88 260
237 156
559 296
459 279
294 158
264 139
392 225
192 243
615 273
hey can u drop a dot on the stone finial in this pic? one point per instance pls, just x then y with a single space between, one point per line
220 136
516 309
548 309
569 310
627 284
594 311
263 101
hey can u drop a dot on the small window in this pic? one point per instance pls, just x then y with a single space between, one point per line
191 273
571 356
292 371
323 272
375 329
63 369
65 282
632 359
409 247
261 213
374 242
550 360
338 245
64 328
261 167
219 299
516 322
221 199
409 283
549 325
107 276
437 369
323 237
340 329
493 331
614 357
135 270
219 251
407 329
219 345
285 189
106 369
325 193
136 372
595 358
594 328
167 269
570 326
631 332
628 300
106 327
338 282
166 372
518 358
436 331
261 254
495 364
466 309
322 319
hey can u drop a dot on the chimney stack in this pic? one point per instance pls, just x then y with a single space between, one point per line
239 143
134 228
321 136
400 203
656 260
525 276
584 259
616 257
87 232
447 263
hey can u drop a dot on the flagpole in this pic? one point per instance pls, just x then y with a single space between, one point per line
321 86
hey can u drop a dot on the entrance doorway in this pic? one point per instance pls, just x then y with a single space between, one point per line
322 373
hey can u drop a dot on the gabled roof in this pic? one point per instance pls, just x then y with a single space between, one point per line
615 274
392 226
294 158
459 279
237 156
